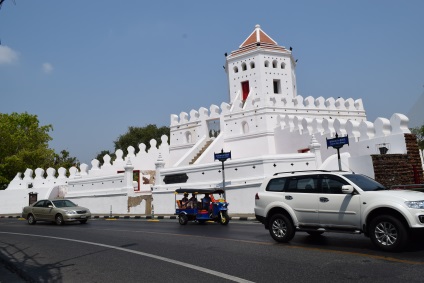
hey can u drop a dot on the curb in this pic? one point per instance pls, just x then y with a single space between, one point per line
162 217
141 217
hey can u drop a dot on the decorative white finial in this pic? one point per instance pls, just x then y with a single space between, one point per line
314 143
257 26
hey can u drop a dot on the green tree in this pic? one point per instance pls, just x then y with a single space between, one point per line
100 155
65 160
136 135
419 132
133 137
24 144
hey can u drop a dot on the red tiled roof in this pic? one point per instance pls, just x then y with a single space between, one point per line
258 39
256 36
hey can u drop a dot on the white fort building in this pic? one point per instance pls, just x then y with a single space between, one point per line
266 126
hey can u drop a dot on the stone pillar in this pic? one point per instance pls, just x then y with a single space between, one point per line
315 148
128 175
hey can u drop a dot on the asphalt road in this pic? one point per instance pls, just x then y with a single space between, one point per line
164 251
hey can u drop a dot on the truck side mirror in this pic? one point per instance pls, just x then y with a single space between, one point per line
347 189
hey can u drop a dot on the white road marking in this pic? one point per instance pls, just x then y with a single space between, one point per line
198 268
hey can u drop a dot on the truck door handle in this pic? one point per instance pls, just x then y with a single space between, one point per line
322 199
289 197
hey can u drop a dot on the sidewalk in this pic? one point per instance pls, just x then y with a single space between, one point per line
7 274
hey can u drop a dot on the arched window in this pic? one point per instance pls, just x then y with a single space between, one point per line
274 64
252 65
243 67
188 137
266 64
283 65
245 127
235 70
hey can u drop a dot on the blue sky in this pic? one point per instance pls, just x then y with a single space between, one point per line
94 68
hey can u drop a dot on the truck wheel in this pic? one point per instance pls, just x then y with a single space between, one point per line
182 219
388 233
281 228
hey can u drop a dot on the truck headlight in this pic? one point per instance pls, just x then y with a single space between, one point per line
419 204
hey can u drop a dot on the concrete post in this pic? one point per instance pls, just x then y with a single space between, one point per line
159 165
128 175
315 148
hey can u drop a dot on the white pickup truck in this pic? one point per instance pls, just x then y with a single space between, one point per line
337 201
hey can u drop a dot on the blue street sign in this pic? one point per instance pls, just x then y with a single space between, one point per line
337 142
222 156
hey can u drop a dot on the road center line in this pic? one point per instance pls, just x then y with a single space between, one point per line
379 257
187 265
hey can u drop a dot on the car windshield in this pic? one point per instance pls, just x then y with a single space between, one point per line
63 203
365 182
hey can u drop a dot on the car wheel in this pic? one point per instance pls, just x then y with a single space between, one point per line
31 219
83 221
224 219
59 219
183 219
281 228
315 233
388 233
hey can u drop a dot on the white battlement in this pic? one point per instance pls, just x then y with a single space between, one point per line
143 161
253 101
398 124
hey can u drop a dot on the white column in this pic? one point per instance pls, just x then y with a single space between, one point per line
315 148
128 175
159 165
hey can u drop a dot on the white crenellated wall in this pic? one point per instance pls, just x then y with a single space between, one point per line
252 122
308 107
98 188
364 137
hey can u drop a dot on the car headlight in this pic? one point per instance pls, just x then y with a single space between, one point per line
419 204
70 212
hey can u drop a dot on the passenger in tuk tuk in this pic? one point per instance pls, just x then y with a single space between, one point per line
184 200
206 201
192 202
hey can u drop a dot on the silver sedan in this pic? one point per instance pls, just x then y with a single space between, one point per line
58 211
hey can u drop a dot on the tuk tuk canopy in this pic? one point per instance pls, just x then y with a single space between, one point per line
199 191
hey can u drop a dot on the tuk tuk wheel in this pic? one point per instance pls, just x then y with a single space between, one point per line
182 219
224 218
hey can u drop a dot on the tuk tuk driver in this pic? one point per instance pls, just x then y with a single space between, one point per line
206 201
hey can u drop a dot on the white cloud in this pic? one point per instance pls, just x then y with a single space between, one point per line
7 55
47 68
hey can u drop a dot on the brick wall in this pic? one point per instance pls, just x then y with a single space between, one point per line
398 169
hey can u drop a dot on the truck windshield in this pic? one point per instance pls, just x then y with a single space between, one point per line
365 182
